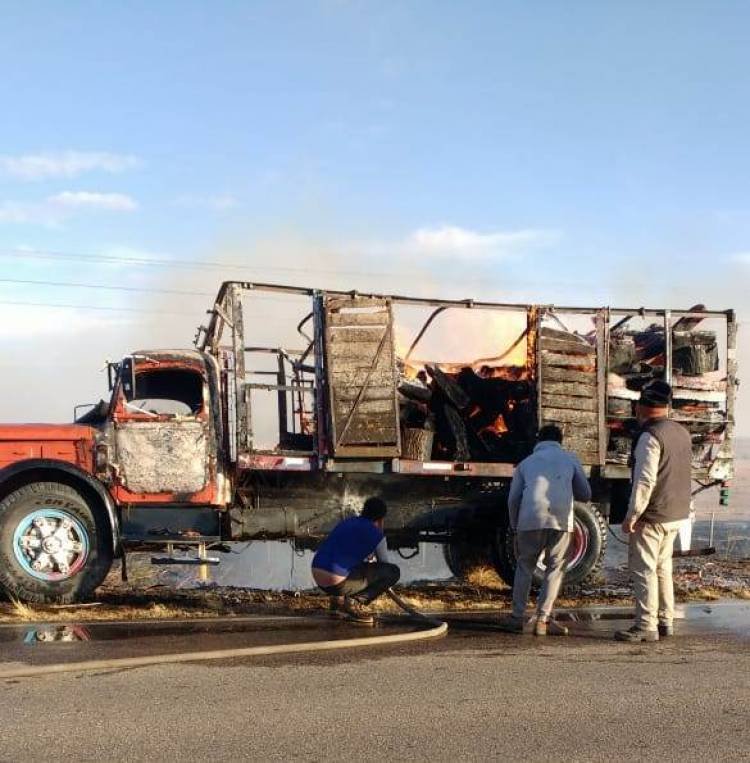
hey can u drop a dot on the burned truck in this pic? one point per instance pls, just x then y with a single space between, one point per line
428 403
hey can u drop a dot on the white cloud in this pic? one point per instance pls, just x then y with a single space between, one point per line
453 240
54 210
114 202
220 202
742 257
65 164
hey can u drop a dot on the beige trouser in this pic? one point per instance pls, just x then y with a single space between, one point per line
650 563
530 545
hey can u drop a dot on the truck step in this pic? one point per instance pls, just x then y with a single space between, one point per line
190 561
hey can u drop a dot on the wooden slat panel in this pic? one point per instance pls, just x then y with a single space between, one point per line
553 373
553 415
567 361
581 431
567 347
569 388
568 402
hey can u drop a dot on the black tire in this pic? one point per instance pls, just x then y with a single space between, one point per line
463 554
90 568
590 558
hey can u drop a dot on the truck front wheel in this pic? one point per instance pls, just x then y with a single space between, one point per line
53 546
585 553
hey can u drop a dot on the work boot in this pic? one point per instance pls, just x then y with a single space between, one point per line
354 613
544 627
335 606
637 634
514 624
665 631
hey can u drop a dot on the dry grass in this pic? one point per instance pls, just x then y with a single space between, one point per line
484 576
695 580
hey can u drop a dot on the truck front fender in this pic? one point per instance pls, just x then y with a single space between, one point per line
46 468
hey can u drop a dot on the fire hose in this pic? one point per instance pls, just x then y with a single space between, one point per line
436 628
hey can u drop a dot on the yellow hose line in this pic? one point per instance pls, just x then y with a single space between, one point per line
30 671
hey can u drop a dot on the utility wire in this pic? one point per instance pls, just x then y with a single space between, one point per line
93 307
76 285
44 254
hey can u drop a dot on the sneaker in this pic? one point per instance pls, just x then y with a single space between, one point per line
549 627
637 634
665 631
354 613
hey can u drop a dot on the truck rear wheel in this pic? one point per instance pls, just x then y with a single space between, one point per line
53 546
585 554
464 554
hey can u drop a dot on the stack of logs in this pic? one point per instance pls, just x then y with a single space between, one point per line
476 415
699 391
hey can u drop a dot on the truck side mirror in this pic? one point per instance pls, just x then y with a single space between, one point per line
127 377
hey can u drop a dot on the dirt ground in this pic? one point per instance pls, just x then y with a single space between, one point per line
695 580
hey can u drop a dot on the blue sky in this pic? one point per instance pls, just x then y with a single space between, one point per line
582 152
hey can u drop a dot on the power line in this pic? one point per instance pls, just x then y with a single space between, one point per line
76 285
68 306
45 254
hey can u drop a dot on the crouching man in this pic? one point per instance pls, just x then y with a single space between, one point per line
342 567
540 505
659 503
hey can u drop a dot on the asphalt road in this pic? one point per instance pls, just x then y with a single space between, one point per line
470 696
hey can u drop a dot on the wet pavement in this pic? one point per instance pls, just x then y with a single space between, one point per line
47 644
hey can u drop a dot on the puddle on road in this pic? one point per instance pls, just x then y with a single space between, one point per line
34 635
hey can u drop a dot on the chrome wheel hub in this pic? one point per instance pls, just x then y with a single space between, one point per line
51 544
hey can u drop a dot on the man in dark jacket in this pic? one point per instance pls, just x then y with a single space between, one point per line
342 567
659 502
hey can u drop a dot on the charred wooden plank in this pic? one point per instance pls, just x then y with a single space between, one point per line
579 431
568 402
339 319
699 382
554 373
365 407
355 375
357 335
341 353
371 393
335 303
582 362
555 415
589 444
567 346
452 391
568 388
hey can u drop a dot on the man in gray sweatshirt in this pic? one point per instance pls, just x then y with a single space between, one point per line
540 505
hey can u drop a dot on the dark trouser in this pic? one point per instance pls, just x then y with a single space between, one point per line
366 581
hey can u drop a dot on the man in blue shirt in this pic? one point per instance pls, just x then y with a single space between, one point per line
342 569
